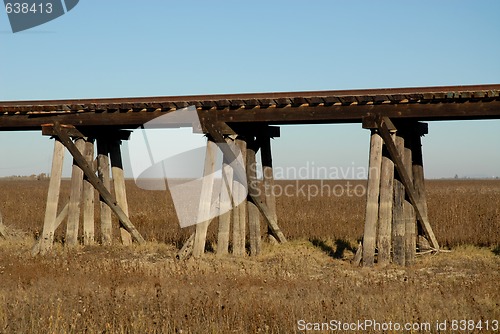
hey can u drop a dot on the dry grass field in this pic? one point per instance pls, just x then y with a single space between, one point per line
144 289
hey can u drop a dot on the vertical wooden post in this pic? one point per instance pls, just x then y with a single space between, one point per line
103 173
88 198
205 198
418 175
372 200
52 197
385 210
268 177
409 212
240 212
119 185
253 210
225 206
398 221
75 199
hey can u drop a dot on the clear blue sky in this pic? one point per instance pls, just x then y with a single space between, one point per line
144 48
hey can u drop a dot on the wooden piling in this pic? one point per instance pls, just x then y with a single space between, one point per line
253 210
418 175
52 198
398 218
240 212
225 207
103 174
205 198
119 185
75 197
385 210
268 178
88 198
408 211
372 200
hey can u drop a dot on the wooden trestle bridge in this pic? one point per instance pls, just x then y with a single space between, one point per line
396 209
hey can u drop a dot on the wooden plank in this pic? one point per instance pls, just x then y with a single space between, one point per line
103 174
205 199
398 218
372 199
408 211
240 174
88 198
52 198
225 206
240 212
398 162
268 178
119 185
385 209
75 199
253 211
98 185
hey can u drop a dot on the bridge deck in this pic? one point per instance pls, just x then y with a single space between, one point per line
342 106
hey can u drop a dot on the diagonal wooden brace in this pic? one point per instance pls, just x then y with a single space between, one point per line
384 131
61 133
241 175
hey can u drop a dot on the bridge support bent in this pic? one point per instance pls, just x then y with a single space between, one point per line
252 208
84 181
396 193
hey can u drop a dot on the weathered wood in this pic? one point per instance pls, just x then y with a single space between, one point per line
240 212
88 171
75 199
225 206
205 199
372 199
119 185
356 261
103 173
268 178
52 198
240 174
253 211
418 174
88 198
35 250
458 104
187 249
398 162
385 210
398 218
409 212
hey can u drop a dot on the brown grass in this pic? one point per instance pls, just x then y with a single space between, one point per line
143 289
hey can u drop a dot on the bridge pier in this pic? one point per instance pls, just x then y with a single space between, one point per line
396 193
84 182
253 207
